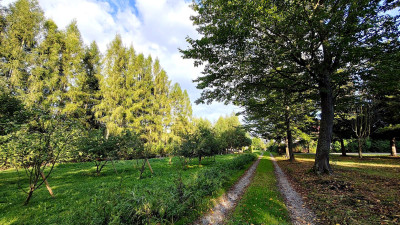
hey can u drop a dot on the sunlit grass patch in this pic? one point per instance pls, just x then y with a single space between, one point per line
262 202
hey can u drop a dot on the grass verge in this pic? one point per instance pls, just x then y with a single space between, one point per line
262 202
361 191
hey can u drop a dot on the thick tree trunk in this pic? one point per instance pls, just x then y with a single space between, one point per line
321 164
289 143
393 146
360 148
342 147
360 142
287 147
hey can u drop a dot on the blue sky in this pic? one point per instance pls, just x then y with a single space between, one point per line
155 27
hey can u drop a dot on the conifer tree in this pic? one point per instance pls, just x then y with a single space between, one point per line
90 85
139 99
148 101
73 75
23 23
111 110
162 106
44 82
181 115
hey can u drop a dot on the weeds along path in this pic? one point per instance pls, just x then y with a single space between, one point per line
227 202
299 214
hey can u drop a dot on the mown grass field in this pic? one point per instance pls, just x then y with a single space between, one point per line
81 197
262 202
361 191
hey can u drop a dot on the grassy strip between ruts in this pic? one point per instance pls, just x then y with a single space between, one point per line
262 202
170 195
361 191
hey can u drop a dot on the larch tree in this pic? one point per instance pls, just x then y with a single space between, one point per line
181 116
383 82
89 84
23 22
162 107
147 119
319 45
111 110
73 73
45 86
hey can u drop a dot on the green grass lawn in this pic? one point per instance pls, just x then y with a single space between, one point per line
262 203
361 191
82 197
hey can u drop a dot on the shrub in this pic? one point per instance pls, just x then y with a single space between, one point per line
273 148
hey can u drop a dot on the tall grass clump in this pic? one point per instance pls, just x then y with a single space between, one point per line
186 197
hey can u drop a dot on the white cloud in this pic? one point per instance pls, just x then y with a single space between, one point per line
155 27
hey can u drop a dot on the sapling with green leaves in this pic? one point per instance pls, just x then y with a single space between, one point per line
36 147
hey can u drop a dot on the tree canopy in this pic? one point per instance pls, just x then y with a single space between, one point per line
313 46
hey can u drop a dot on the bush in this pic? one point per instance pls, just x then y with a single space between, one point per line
161 204
273 148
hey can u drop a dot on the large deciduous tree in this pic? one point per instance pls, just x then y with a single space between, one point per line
308 45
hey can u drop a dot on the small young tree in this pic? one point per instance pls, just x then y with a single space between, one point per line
97 148
361 125
131 146
37 146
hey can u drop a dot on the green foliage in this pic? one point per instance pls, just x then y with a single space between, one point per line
181 115
370 145
201 142
258 144
230 134
135 96
308 49
38 145
24 19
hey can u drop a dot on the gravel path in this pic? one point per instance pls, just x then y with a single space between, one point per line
299 213
228 201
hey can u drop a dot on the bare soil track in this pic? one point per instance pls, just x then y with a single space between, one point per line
298 212
227 202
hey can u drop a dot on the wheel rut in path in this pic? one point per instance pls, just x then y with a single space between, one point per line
227 202
298 212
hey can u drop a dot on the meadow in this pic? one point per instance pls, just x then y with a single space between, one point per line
172 194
